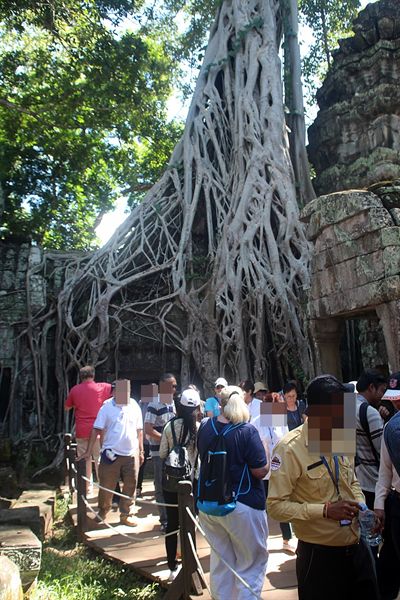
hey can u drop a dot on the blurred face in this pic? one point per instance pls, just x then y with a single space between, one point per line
261 395
218 389
148 392
291 397
247 397
167 390
331 427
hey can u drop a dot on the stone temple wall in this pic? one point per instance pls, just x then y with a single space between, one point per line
30 282
355 273
355 139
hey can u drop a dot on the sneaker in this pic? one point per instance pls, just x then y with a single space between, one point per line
163 527
129 520
173 574
139 493
287 547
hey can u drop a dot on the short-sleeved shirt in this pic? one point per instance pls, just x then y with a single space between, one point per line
300 485
120 424
295 417
212 403
86 398
158 414
244 447
367 471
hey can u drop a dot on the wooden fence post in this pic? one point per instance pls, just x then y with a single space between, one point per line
67 445
81 506
189 580
70 462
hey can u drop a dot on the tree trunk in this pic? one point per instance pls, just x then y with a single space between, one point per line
216 249
295 104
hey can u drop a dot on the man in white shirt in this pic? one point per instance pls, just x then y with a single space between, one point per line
270 436
387 507
120 424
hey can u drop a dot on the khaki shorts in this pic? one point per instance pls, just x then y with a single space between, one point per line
81 445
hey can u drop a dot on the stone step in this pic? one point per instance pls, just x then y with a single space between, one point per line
34 509
21 546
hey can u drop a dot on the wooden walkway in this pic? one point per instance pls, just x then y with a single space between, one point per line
147 556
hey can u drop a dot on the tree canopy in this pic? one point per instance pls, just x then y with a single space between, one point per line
83 92
80 108
329 20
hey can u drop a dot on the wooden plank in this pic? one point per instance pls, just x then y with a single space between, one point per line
148 558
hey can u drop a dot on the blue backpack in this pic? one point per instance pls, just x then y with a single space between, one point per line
216 494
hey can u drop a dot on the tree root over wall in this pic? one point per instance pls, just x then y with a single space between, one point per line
214 261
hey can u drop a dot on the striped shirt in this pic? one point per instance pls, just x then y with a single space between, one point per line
367 471
158 414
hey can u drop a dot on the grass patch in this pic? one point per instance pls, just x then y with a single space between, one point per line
70 571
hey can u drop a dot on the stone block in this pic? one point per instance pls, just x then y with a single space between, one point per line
340 205
23 548
344 276
44 500
371 242
347 226
7 351
395 214
353 228
357 300
23 517
391 260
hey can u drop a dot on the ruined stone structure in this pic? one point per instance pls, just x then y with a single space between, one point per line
355 139
355 272
355 268
354 144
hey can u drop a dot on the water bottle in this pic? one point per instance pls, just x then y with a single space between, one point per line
368 520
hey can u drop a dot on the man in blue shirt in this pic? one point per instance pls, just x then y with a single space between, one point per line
211 407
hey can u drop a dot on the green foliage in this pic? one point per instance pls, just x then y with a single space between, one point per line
74 101
329 20
83 102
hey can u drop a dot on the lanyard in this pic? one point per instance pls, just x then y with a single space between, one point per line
335 478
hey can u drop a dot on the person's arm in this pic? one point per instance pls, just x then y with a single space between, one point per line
164 444
91 442
375 428
141 448
356 489
69 403
256 454
149 422
261 472
151 432
287 471
384 482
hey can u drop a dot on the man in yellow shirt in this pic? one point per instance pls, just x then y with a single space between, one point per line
315 488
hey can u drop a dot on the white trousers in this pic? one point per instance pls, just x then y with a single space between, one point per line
241 539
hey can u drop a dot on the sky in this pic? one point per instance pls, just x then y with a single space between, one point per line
176 109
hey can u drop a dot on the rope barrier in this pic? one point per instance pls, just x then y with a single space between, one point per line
198 562
242 581
127 535
139 500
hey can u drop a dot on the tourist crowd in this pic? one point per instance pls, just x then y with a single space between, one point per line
325 464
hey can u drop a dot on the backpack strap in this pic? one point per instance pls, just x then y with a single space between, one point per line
244 472
174 438
365 426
